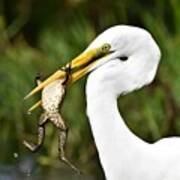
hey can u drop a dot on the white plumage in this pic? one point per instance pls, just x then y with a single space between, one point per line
123 155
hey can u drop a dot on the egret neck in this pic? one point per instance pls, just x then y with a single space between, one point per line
116 144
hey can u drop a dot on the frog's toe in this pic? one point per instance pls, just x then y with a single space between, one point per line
66 161
31 146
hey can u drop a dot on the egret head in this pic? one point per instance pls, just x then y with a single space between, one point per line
133 60
122 58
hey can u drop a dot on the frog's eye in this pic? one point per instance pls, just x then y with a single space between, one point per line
105 48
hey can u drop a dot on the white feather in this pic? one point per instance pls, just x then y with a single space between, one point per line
123 155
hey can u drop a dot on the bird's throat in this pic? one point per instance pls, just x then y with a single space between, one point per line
113 138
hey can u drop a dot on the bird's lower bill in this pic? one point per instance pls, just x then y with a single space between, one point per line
80 66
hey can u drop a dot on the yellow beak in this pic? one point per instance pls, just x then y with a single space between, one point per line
80 67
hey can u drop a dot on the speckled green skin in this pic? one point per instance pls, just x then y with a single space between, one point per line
52 97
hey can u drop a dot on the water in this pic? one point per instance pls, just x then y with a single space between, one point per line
28 169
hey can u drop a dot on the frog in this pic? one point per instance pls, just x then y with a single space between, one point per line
52 98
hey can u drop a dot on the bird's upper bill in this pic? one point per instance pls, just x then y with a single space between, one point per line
80 66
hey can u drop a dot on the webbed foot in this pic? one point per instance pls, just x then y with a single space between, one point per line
35 147
72 166
62 142
31 146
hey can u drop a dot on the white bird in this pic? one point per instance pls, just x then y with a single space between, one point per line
132 63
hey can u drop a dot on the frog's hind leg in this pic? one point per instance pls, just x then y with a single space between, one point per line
41 134
61 147
62 138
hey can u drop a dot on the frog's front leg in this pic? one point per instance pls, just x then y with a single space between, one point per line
62 138
41 134
68 74
38 79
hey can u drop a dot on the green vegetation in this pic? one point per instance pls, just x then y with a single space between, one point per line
40 36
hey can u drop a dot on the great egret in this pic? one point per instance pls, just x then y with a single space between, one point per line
131 63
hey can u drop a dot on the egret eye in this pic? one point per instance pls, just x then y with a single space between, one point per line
123 58
105 48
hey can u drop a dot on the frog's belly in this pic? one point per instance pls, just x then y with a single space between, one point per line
52 95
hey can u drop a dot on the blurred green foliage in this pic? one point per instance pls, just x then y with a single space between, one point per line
40 36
